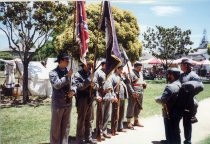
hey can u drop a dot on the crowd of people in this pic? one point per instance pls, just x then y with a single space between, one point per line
110 95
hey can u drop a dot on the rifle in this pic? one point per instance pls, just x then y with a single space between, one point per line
137 100
115 111
114 117
165 109
99 120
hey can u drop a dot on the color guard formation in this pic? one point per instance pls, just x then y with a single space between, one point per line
111 93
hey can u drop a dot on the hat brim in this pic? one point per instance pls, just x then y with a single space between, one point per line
65 57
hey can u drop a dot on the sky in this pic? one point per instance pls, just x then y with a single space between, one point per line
186 14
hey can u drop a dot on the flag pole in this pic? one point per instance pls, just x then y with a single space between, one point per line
95 50
73 43
95 54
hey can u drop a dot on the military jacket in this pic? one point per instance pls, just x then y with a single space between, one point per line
61 85
118 83
191 83
136 82
100 78
170 93
82 81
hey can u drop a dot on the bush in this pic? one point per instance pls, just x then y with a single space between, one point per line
6 56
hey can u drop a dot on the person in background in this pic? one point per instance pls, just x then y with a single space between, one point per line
136 88
63 91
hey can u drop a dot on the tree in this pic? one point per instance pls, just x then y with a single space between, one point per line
46 51
208 49
28 25
6 56
167 43
127 30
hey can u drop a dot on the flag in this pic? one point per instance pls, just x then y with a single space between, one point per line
124 57
113 54
82 30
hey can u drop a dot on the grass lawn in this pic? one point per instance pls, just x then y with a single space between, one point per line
205 141
31 124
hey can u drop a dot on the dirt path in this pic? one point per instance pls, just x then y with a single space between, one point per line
153 129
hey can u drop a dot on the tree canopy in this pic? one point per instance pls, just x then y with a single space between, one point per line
126 26
167 43
29 25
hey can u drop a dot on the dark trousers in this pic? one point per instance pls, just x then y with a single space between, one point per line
84 119
175 120
60 125
172 130
187 127
167 125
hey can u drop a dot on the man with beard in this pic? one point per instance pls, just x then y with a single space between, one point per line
170 114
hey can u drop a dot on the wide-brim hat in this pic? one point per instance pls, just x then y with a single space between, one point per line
62 56
186 61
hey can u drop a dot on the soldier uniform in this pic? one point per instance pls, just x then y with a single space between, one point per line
136 90
103 107
61 103
84 103
188 78
170 114
120 89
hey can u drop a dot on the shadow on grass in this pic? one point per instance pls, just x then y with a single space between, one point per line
34 101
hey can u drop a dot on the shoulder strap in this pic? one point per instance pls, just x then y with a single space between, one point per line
136 73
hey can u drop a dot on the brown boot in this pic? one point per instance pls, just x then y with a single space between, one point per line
137 123
130 126
100 138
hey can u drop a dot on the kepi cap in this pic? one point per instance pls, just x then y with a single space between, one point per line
120 66
137 63
103 62
62 56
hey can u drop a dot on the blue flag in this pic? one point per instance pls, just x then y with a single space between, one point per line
113 54
124 57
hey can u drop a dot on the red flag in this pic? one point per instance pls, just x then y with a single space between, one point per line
82 30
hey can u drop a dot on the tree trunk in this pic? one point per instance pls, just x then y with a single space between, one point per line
25 82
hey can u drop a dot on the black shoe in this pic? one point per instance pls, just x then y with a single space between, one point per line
194 120
163 141
91 141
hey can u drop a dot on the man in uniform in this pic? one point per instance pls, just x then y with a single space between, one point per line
60 79
170 114
86 93
104 102
191 85
120 89
136 89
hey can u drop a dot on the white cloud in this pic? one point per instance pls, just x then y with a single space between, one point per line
166 10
